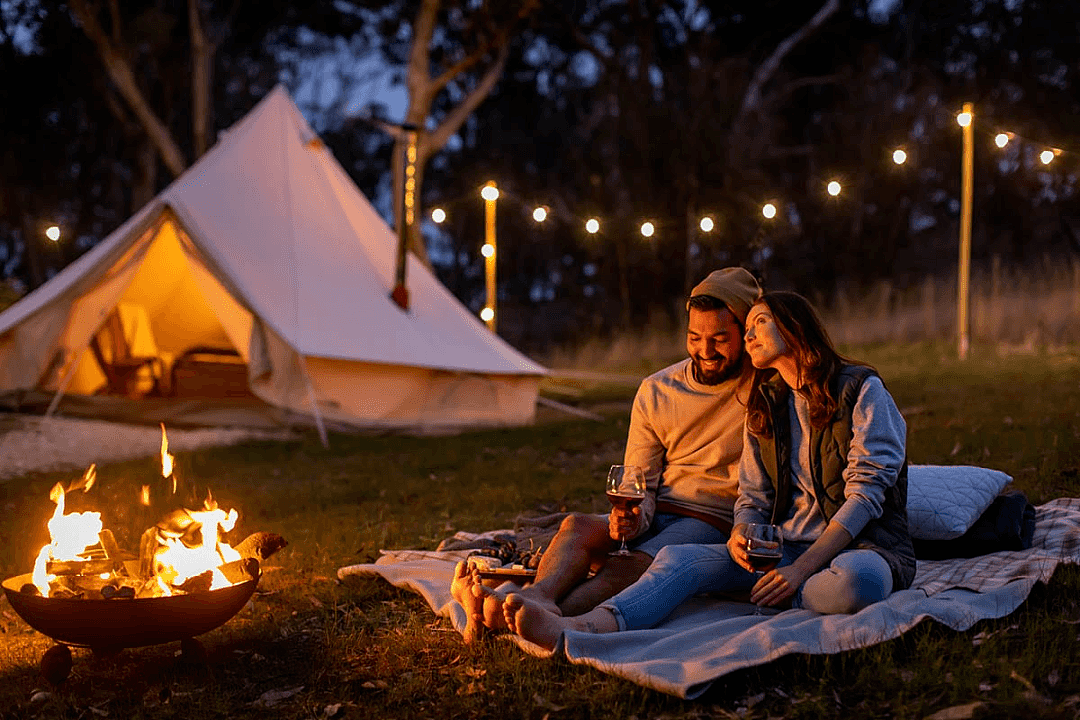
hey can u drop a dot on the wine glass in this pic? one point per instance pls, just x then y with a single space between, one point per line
625 490
764 549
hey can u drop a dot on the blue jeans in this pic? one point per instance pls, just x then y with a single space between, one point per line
671 529
853 580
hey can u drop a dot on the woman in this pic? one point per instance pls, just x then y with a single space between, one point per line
823 457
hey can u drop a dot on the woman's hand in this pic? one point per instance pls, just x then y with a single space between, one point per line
778 585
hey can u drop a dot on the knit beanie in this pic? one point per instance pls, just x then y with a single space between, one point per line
733 286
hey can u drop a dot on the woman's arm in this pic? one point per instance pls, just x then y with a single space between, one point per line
875 455
756 492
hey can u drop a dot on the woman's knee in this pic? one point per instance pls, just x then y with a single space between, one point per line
848 585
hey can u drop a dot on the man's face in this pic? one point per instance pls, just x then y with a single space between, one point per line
714 341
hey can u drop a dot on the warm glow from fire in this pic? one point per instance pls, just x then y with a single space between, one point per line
179 549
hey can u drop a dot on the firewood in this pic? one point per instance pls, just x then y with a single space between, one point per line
242 570
79 567
148 547
198 583
260 545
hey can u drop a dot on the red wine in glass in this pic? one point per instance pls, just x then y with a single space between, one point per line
625 491
763 559
764 549
624 502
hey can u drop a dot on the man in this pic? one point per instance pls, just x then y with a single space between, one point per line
686 428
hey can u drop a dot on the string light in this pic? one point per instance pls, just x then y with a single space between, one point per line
53 233
487 250
487 314
707 224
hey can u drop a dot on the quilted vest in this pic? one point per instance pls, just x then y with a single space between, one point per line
887 535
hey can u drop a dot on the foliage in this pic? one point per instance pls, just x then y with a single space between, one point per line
309 647
662 110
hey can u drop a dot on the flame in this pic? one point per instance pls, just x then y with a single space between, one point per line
180 555
69 535
166 458
176 562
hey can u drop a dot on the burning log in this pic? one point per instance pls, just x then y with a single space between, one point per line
198 583
260 545
94 566
242 570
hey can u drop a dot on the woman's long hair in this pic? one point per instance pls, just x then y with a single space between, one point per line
817 360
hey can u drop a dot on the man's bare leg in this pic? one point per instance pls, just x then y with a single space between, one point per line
617 574
582 544
543 627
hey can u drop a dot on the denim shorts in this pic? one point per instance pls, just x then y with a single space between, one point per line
672 529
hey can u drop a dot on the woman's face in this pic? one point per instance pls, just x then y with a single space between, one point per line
764 343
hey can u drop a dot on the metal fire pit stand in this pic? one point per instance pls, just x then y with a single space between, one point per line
108 626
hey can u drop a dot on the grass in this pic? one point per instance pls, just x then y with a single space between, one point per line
307 647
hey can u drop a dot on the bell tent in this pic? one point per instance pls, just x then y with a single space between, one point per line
255 290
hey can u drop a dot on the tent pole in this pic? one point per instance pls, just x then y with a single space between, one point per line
314 403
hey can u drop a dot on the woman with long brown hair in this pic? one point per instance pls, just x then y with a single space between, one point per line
823 458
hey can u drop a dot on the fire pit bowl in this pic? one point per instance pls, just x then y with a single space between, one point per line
110 625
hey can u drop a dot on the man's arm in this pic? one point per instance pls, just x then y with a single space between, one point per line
645 449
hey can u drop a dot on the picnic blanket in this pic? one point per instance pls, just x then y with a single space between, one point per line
706 638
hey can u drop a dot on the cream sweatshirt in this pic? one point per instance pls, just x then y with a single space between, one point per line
688 438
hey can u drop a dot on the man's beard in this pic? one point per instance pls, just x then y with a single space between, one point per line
729 368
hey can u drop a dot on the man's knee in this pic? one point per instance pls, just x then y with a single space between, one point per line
586 533
584 526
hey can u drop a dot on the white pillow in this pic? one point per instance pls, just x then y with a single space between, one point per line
945 500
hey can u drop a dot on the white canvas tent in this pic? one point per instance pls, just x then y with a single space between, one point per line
260 279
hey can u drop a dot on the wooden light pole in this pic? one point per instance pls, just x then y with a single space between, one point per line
490 193
967 122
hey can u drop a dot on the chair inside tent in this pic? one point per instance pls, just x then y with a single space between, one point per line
174 331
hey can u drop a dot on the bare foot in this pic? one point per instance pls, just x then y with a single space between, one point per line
533 622
492 599
461 589
539 599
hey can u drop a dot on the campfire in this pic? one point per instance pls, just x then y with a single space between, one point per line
185 579
183 552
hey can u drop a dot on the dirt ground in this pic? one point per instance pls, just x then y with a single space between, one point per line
31 443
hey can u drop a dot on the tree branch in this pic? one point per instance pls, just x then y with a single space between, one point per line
453 122
200 79
120 73
752 99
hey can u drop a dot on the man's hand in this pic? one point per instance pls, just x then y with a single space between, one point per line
624 523
736 546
